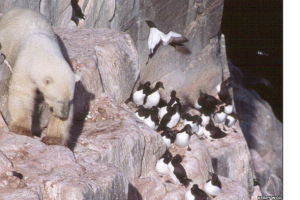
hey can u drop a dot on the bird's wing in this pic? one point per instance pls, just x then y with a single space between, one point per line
199 194
180 172
166 38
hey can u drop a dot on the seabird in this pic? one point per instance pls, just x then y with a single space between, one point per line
213 186
153 97
177 172
141 92
213 132
224 95
194 121
183 136
157 37
168 137
162 164
152 119
220 115
173 101
170 119
77 12
207 103
142 112
195 193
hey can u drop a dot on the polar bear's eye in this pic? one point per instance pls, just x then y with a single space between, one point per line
60 102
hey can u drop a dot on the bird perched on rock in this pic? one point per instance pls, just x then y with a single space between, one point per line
162 164
153 97
170 119
213 132
220 115
195 193
77 12
213 186
224 95
173 101
207 103
168 137
183 136
152 119
139 95
142 112
194 121
177 172
156 37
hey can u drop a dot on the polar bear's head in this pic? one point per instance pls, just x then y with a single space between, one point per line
58 93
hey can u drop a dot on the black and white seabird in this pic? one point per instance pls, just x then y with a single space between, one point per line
213 186
168 137
170 119
142 112
194 121
152 119
162 164
141 92
200 131
195 193
230 120
157 37
153 97
220 115
213 132
173 101
77 12
224 95
177 172
183 136
206 103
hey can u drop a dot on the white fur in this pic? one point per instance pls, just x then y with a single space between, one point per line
211 189
152 100
220 117
162 168
31 47
174 120
228 109
162 111
182 139
172 175
189 196
138 97
205 120
150 123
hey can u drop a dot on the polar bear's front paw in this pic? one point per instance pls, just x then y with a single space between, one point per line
20 130
52 140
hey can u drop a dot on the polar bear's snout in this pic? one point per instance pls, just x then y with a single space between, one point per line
60 110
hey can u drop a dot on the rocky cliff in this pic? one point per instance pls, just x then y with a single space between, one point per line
112 154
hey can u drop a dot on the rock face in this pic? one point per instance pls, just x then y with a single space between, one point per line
263 132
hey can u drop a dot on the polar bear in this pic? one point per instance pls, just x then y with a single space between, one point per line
38 66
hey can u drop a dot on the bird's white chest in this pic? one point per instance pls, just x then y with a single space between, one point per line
211 189
138 97
154 38
189 196
228 109
231 121
137 115
205 120
174 120
197 106
162 112
200 130
220 117
172 175
152 99
193 125
150 123
161 167
182 139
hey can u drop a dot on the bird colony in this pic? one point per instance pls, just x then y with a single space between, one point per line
175 124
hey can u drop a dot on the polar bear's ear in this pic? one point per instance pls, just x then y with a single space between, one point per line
48 80
77 77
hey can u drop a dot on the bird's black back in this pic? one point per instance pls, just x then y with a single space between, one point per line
198 193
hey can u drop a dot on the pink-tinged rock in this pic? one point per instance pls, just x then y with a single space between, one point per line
231 158
232 190
269 182
106 60
20 194
256 193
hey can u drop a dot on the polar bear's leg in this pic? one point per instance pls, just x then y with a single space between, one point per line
58 130
20 107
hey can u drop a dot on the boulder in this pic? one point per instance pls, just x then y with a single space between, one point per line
231 158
